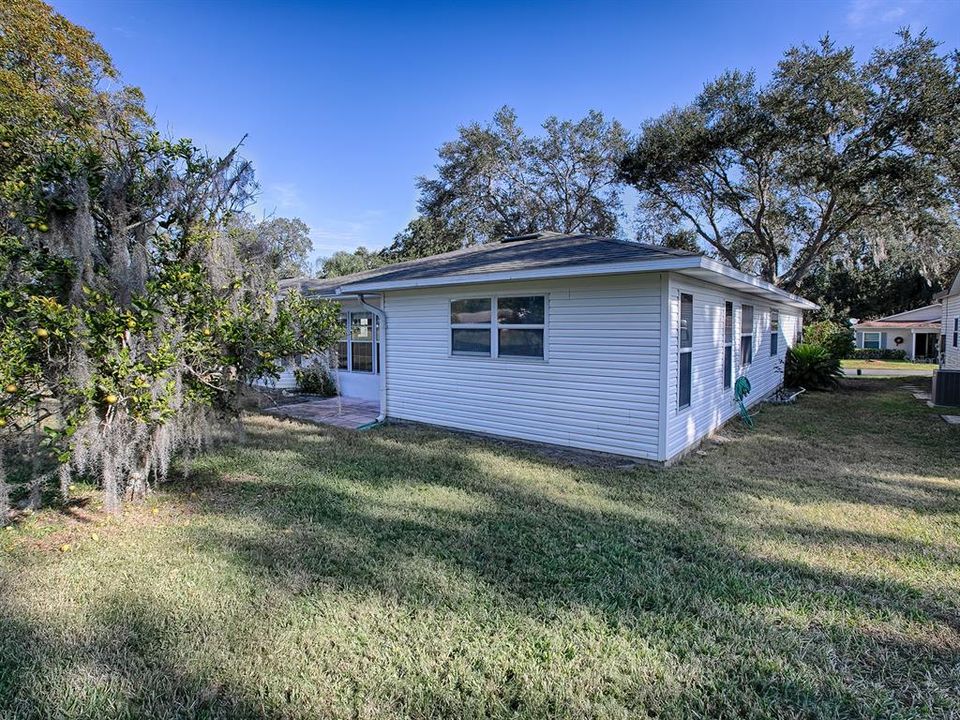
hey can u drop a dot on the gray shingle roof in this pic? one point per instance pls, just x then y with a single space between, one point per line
547 250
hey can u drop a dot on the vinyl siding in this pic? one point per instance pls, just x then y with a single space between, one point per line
951 310
711 404
596 389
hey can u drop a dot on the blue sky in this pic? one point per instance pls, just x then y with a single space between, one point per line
346 103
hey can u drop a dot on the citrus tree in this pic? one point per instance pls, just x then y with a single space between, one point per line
130 319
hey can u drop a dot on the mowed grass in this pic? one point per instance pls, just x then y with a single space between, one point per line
854 364
810 568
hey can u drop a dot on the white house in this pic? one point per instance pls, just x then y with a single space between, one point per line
949 306
916 332
574 340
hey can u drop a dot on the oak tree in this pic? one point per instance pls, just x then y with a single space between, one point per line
830 153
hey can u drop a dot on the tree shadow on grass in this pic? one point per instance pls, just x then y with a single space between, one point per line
122 666
451 532
659 565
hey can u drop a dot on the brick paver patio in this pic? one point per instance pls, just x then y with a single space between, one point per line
342 412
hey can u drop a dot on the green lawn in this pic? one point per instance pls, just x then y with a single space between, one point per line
887 365
810 568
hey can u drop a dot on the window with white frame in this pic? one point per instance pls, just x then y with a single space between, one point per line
728 345
871 340
342 351
685 347
471 321
774 331
746 335
359 344
499 327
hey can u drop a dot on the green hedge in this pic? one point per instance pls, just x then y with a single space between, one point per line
878 354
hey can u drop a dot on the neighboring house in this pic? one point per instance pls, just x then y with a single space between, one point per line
949 304
574 340
916 332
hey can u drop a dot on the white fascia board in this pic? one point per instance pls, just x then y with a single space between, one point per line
755 282
665 265
678 263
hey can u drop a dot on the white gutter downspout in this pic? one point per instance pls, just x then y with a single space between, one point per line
381 355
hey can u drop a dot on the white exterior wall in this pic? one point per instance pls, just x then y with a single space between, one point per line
598 387
711 404
951 310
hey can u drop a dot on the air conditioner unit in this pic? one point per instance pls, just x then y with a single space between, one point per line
946 387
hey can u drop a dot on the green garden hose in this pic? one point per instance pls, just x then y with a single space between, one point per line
741 388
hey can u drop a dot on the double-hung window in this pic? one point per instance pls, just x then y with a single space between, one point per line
746 335
520 325
359 344
507 326
728 345
471 321
956 330
774 331
685 346
871 340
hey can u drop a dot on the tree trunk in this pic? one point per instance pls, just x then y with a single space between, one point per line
137 486
4 492
64 474
111 493
36 479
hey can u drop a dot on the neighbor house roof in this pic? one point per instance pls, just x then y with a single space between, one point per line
922 318
540 255
906 325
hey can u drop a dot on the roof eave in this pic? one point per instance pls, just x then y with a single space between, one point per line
693 262
759 285
591 270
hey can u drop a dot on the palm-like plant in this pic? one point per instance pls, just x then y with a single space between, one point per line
811 367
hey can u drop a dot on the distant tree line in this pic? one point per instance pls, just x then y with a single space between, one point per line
836 178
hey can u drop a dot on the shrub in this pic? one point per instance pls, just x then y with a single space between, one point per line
836 338
315 380
811 367
878 354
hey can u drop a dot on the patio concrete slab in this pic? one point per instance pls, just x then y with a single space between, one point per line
341 412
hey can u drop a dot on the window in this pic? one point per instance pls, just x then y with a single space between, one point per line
685 344
342 345
470 322
520 323
956 330
728 345
361 342
774 331
498 327
871 340
746 335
